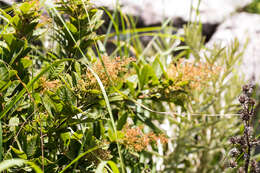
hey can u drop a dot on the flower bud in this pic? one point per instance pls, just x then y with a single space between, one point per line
233 140
242 99
245 88
234 152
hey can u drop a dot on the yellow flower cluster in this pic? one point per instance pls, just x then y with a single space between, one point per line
196 74
113 67
135 139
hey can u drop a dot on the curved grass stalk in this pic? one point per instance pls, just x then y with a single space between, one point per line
77 158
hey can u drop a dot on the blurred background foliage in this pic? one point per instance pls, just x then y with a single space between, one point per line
70 103
254 7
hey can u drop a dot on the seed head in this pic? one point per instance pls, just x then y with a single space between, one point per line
233 140
233 164
245 88
242 99
234 152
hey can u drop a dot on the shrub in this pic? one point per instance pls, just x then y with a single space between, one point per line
68 106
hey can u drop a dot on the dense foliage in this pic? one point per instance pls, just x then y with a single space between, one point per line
253 7
69 106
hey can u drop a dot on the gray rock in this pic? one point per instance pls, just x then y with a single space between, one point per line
243 26
154 11
7 2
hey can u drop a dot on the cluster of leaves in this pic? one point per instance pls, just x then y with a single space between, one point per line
253 7
39 107
68 106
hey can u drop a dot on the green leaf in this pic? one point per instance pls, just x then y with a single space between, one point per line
1 141
65 138
25 7
66 96
15 21
9 38
71 27
146 73
55 71
69 80
102 165
26 62
31 145
30 84
18 162
77 135
122 121
75 78
19 153
4 85
111 135
4 74
12 73
5 16
77 68
48 104
157 67
44 161
96 21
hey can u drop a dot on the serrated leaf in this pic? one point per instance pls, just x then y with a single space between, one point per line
55 71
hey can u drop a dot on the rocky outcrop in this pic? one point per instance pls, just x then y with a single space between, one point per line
155 11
